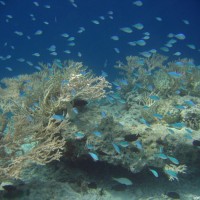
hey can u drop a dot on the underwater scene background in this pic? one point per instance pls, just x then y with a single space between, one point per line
99 99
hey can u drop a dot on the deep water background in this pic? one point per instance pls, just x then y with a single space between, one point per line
95 43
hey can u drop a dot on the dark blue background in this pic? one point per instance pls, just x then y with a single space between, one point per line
95 43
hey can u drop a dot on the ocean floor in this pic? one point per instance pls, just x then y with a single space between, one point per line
86 180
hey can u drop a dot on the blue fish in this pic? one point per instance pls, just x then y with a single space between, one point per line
94 156
161 155
189 103
154 97
154 172
124 81
143 121
104 74
188 130
158 116
178 125
103 114
188 136
138 145
64 82
175 74
73 92
122 101
173 160
79 135
75 110
58 117
123 143
179 64
146 107
171 173
116 147
89 146
97 133
170 130
180 107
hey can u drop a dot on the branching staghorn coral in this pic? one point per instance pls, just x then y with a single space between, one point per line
30 133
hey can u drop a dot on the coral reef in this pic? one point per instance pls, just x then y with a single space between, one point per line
65 111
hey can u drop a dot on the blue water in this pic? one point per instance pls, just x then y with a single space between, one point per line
94 43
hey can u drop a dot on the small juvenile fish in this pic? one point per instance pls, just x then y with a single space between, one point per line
72 44
191 46
177 53
52 48
36 54
138 3
143 121
36 3
126 29
185 21
154 172
159 19
146 37
180 107
94 156
116 50
158 116
116 147
71 39
65 35
180 36
9 16
189 102
38 68
175 74
162 156
102 17
173 160
123 143
165 49
79 135
79 54
2 3
81 29
178 125
170 130
89 146
132 43
97 133
95 22
146 54
103 114
138 26
54 53
171 174
115 37
47 6
19 33
38 32
140 42
21 59
9 69
67 51
154 97
75 110
124 181
58 117
138 145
